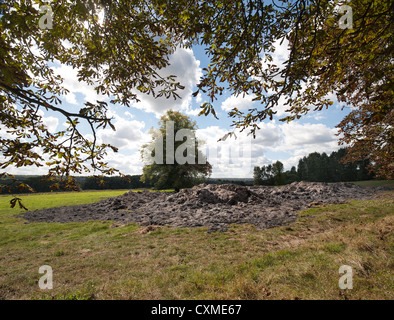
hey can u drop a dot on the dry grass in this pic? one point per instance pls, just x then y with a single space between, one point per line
105 260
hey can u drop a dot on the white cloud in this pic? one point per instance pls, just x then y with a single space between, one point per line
4 132
129 134
238 154
50 122
193 112
186 67
236 157
285 142
74 86
281 108
125 163
299 140
301 135
316 116
281 53
199 98
268 135
241 102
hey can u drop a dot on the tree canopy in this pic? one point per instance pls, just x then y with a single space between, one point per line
315 167
271 174
122 54
355 64
119 55
173 158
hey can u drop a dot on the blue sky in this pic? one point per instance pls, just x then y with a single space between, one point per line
231 158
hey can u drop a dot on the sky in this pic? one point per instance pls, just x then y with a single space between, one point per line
232 158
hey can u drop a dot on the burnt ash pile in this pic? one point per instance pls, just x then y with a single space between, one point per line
212 206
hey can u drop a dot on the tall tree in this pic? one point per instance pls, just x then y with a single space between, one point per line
277 171
173 158
264 175
257 176
320 167
268 174
302 169
291 176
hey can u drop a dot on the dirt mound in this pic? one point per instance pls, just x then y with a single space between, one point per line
213 206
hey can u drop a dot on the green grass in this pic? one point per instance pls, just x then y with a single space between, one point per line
375 183
96 260
35 201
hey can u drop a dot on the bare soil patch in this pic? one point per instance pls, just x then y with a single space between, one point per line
210 205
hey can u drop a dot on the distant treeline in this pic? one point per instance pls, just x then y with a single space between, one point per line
39 184
22 184
315 167
240 181
128 182
27 184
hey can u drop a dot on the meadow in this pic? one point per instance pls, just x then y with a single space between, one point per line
106 260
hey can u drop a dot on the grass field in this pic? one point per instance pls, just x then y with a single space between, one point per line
100 260
375 183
